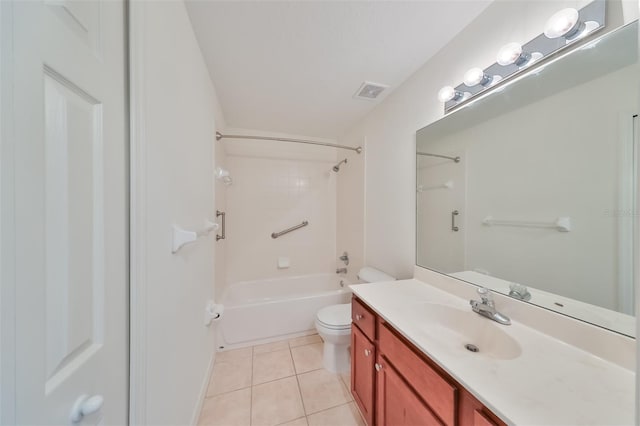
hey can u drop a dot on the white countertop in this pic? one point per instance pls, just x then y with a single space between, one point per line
549 383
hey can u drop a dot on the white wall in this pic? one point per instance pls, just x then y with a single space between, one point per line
277 185
179 108
390 129
350 194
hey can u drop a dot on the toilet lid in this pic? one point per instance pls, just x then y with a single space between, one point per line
335 316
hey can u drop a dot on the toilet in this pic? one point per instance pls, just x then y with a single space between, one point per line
333 324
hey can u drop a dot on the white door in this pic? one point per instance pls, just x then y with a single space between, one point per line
69 117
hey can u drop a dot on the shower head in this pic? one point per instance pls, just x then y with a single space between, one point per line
336 168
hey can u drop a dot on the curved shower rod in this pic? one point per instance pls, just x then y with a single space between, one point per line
269 138
454 159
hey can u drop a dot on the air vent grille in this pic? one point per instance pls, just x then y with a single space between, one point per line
370 91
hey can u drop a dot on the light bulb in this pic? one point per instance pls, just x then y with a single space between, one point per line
512 54
448 93
476 76
564 23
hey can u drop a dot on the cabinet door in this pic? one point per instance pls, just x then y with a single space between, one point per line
363 358
397 404
473 412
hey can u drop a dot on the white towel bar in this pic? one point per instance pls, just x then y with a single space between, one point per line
562 224
182 237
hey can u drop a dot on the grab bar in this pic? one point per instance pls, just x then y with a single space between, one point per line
286 231
224 227
454 227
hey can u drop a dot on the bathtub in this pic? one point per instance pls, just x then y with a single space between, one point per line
273 309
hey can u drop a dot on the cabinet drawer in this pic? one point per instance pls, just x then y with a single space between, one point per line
428 383
363 318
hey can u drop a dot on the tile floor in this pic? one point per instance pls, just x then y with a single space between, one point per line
281 383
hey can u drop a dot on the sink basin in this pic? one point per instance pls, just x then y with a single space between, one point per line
455 328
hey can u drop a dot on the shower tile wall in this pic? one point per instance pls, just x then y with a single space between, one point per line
269 195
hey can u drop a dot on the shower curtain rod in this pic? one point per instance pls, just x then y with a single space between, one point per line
268 138
454 159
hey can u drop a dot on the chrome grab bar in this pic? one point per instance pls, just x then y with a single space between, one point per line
286 231
223 214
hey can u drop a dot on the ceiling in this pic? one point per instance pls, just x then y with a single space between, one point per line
294 66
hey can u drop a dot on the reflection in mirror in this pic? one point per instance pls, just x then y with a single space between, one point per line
540 204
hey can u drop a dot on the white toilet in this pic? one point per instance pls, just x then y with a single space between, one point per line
334 326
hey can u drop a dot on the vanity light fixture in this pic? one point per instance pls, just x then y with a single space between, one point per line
562 30
448 93
476 76
564 23
512 53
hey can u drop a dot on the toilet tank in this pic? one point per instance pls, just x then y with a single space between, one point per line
373 275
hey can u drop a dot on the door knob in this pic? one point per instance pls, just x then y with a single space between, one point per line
84 406
367 352
378 366
359 317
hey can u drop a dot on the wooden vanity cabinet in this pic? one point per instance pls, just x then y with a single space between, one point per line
363 359
395 384
396 403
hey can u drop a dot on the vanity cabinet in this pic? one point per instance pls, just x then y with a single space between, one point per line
397 404
363 359
403 386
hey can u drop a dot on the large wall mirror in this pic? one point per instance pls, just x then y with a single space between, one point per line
538 197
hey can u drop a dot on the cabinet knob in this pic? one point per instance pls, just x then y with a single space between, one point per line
367 352
359 317
378 366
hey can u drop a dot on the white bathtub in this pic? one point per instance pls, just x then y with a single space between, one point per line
274 309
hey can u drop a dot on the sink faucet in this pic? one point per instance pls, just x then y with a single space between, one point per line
487 308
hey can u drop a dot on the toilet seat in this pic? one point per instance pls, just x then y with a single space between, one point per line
335 317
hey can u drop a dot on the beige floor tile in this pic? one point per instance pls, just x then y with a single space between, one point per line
307 357
343 415
302 421
321 390
272 366
234 354
229 409
230 375
305 340
276 402
346 379
270 347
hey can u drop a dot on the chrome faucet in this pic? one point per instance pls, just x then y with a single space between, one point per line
341 271
487 308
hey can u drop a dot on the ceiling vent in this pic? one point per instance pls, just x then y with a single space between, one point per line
370 91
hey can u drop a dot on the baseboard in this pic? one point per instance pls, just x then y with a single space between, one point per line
203 391
231 346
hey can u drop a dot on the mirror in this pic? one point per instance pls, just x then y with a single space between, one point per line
530 190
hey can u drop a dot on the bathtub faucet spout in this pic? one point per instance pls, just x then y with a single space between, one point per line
341 271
